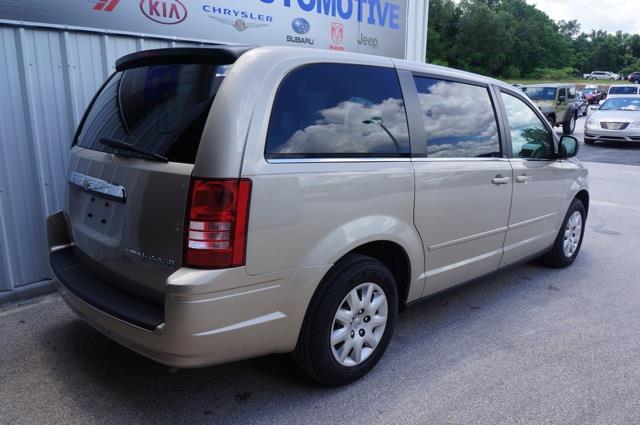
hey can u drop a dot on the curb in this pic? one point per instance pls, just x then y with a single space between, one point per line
27 292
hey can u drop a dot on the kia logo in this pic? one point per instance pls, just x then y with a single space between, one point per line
168 12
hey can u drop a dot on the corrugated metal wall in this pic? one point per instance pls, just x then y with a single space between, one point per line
47 78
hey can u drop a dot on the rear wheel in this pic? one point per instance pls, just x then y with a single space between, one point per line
349 322
569 240
569 125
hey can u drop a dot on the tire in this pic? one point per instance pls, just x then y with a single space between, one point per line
593 78
568 127
559 256
315 354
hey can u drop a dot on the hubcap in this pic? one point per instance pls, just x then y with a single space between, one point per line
572 234
359 324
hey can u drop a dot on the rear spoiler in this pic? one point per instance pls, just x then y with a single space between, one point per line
215 55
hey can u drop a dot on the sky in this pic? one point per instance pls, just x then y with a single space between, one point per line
609 15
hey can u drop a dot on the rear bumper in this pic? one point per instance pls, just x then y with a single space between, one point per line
209 316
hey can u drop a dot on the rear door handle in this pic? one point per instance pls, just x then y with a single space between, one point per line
523 179
499 180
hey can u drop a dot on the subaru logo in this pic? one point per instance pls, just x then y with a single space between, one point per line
300 26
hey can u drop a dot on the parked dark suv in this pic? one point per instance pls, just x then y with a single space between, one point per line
634 77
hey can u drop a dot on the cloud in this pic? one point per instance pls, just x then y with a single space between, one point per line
609 15
459 120
341 129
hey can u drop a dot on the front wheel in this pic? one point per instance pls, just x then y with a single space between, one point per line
569 126
349 322
569 240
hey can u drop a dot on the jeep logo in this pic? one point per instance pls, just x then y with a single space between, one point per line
168 12
372 42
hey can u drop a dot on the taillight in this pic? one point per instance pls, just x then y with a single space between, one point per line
217 221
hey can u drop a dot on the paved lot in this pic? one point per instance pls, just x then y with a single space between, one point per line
531 345
615 153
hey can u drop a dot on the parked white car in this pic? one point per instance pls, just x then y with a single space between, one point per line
602 75
623 90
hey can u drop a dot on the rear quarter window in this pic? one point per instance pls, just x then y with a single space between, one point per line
338 110
161 109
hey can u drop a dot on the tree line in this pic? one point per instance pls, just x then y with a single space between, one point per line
512 39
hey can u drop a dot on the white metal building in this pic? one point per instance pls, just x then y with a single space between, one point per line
50 71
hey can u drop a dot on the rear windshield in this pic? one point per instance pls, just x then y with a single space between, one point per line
159 109
623 90
540 93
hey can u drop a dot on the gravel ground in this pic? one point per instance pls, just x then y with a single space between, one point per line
529 345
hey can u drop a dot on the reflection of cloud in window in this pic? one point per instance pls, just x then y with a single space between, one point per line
341 129
464 148
525 126
459 120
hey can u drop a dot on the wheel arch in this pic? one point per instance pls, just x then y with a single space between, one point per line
395 258
583 196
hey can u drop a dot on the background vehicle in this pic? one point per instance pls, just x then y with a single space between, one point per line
558 102
634 77
583 104
623 90
593 93
230 202
616 120
603 75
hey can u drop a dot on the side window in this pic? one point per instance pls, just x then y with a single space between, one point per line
530 138
338 110
459 119
562 93
572 93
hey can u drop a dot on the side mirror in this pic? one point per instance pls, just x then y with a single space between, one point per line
568 147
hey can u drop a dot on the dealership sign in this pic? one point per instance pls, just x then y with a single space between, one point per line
365 26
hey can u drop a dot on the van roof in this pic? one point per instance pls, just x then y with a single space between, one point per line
226 54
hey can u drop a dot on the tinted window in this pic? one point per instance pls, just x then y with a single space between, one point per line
623 90
337 110
529 136
540 93
562 93
458 118
161 109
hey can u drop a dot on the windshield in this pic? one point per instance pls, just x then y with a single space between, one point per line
540 93
623 90
621 104
157 110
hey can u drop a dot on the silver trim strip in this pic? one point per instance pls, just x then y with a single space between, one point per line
98 187
328 160
468 238
533 220
460 159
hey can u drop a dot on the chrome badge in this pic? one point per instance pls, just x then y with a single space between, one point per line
99 187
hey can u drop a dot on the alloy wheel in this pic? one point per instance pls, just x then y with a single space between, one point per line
572 234
359 324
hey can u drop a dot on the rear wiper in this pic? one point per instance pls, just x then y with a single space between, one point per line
119 144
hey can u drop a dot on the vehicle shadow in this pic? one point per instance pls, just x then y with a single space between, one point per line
112 384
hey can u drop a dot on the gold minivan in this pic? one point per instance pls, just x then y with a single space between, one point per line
231 202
